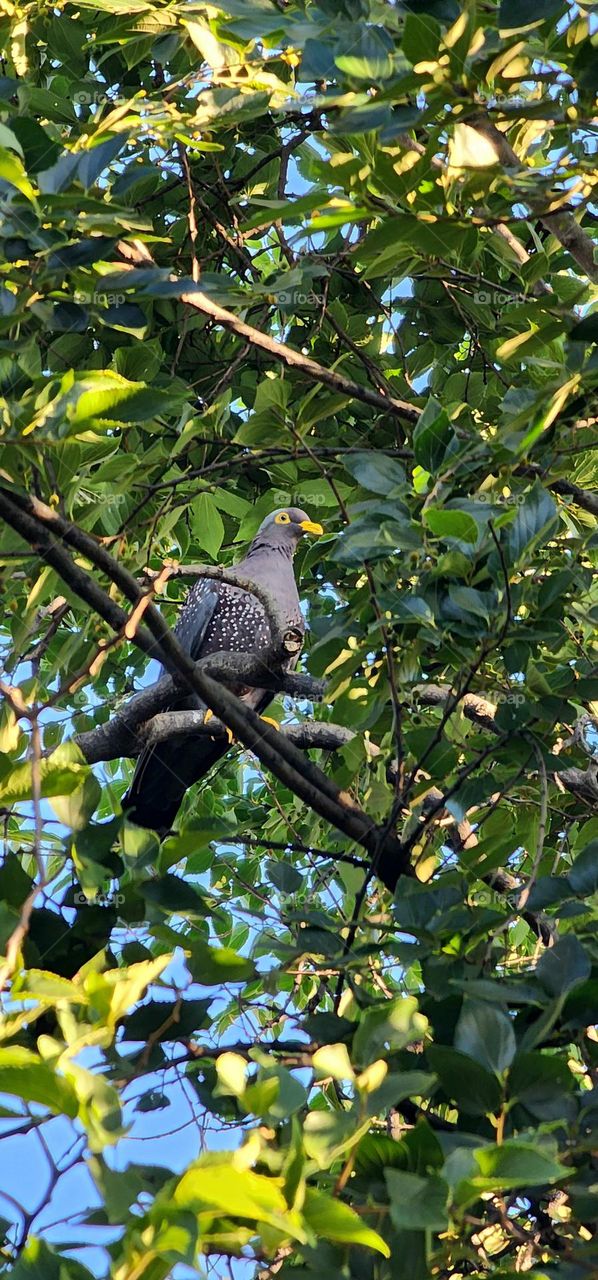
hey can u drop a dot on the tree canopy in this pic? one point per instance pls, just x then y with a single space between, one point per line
260 253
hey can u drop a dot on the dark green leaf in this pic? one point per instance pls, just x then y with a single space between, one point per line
432 436
475 1089
563 966
583 876
417 1203
485 1034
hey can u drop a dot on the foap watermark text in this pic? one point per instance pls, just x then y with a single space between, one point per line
101 898
297 499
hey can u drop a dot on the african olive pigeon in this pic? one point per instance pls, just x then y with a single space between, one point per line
217 617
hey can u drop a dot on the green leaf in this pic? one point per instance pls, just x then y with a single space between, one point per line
93 161
214 1182
75 810
541 1084
9 140
106 395
563 966
60 774
485 1034
118 990
49 987
586 330
39 1262
371 56
288 1097
208 526
231 1070
513 1165
213 965
421 38
333 1220
397 1086
172 893
167 1021
522 15
451 525
583 876
128 317
364 119
260 1097
328 1135
469 601
390 1026
376 472
13 172
27 1076
516 1164
475 1089
283 876
432 436
81 252
417 1204
534 518
154 1100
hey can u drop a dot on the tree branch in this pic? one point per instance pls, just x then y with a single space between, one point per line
561 224
581 782
279 350
565 488
141 723
32 519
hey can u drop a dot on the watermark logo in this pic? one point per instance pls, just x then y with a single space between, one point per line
99 297
298 297
87 498
504 697
101 898
96 97
297 499
502 499
515 698
108 299
493 297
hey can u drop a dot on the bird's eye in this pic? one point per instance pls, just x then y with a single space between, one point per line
283 517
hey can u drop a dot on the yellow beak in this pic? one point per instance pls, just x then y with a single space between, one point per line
311 526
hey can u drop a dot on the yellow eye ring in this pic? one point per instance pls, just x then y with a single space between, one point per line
283 517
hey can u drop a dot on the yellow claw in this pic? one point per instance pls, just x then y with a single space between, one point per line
269 720
209 715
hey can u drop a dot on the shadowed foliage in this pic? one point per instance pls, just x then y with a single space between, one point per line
338 257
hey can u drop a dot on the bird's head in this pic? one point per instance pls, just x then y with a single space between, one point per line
285 527
289 522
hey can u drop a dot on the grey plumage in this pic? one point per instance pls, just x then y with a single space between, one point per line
219 617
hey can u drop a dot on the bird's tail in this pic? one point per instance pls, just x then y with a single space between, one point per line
164 773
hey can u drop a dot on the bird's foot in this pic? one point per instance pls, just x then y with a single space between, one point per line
209 715
269 720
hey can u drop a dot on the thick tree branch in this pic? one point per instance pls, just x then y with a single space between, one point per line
132 728
473 705
313 733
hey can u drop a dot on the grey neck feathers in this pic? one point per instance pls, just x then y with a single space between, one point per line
262 549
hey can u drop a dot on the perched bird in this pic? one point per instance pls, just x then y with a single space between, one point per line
217 617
